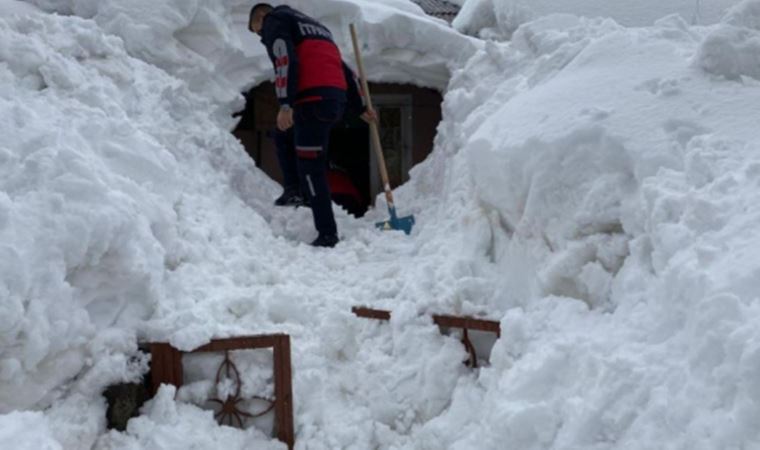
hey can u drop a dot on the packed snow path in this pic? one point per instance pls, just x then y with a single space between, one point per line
348 372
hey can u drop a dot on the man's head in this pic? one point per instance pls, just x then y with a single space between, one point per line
258 12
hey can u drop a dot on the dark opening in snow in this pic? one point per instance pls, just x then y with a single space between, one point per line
409 117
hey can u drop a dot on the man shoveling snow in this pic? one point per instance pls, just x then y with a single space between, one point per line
315 88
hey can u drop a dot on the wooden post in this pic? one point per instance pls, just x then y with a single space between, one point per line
165 366
283 391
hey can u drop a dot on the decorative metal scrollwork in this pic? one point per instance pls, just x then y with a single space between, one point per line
229 410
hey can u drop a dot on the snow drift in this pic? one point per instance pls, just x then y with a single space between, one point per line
733 49
498 19
617 173
101 155
593 186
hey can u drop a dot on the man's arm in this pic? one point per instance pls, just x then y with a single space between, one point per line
286 71
283 56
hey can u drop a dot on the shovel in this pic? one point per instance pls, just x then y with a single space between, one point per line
395 222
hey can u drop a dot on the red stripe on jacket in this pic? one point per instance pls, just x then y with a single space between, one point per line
320 65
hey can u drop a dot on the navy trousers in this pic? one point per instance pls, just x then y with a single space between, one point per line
286 156
313 122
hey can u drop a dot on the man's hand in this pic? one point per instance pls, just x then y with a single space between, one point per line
369 116
285 119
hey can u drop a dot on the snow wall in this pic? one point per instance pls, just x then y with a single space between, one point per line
592 185
498 19
618 170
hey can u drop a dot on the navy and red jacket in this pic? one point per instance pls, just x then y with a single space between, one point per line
307 63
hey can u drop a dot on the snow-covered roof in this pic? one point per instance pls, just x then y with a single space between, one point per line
401 43
439 8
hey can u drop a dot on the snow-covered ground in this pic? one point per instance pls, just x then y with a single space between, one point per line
594 187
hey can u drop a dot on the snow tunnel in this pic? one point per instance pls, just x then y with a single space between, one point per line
409 116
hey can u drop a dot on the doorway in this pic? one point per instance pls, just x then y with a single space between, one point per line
396 119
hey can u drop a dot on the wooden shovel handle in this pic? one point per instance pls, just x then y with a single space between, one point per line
374 132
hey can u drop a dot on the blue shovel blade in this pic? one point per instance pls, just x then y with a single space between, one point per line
404 224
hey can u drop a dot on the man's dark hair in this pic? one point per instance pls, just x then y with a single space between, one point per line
263 7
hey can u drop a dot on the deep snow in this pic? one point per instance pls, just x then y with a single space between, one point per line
498 19
593 186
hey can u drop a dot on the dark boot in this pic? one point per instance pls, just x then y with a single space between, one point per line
291 197
328 241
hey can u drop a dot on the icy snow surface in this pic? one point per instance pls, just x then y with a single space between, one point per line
594 187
